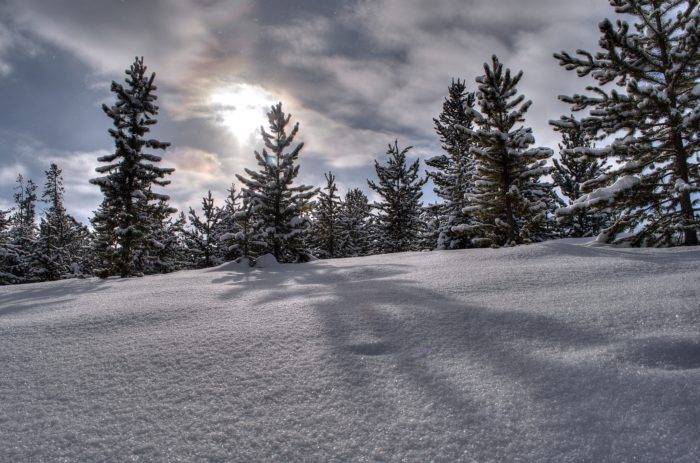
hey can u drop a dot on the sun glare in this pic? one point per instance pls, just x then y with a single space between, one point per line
241 109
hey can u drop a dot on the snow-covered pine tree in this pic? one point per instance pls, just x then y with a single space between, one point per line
510 203
228 227
654 62
279 204
162 249
327 227
570 171
202 238
52 258
23 233
123 220
8 254
452 170
431 226
246 242
400 188
354 224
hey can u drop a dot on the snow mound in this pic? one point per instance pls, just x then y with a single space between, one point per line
554 351
266 261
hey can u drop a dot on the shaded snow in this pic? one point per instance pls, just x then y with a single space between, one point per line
548 352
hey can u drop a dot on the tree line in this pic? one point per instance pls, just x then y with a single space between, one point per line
627 171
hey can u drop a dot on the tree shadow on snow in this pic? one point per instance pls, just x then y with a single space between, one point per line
518 363
42 296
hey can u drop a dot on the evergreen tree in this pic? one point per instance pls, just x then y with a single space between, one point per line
327 227
23 233
124 218
432 227
162 251
278 204
355 224
247 241
8 253
400 189
52 258
646 94
571 171
510 203
202 239
453 170
228 226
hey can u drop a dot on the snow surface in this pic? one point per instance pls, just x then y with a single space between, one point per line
549 352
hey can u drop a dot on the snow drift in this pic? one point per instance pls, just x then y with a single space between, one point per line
548 352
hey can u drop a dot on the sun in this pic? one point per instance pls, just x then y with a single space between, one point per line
241 109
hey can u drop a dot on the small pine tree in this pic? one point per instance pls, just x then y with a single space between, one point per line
571 170
431 217
124 218
510 203
327 225
247 241
23 233
228 227
279 204
452 171
161 250
52 257
202 239
400 189
655 178
8 253
354 224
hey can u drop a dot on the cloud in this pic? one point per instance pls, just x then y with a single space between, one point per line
355 74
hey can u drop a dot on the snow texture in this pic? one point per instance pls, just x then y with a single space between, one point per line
556 351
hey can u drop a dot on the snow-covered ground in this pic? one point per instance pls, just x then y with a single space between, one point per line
549 352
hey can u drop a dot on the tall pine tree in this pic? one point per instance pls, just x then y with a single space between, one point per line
278 204
129 174
400 188
452 171
510 203
646 95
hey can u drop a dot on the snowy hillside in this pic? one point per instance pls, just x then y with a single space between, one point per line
549 352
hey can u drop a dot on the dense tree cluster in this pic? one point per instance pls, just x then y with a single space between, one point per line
628 171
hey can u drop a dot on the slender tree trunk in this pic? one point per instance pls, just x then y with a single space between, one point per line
680 164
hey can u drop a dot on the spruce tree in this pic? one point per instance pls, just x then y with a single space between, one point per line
327 225
355 224
452 171
228 226
55 230
279 205
202 239
246 241
129 175
571 170
510 203
646 95
162 250
23 233
8 253
431 226
400 188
